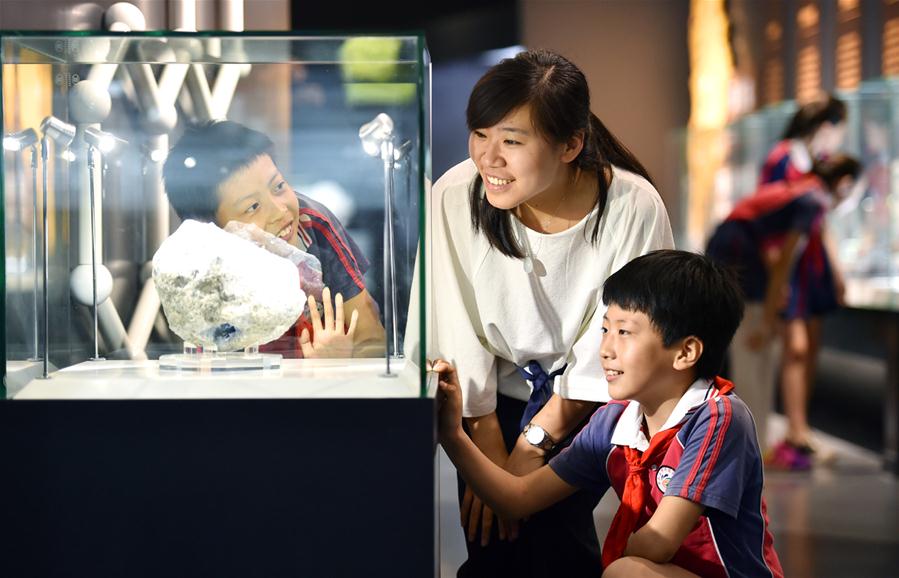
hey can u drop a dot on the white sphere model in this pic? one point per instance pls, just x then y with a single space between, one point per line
82 285
160 120
89 103
124 16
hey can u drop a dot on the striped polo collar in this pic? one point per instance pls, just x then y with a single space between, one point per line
629 430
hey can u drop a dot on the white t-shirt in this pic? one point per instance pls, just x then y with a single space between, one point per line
489 315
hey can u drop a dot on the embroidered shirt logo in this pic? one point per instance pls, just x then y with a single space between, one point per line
663 477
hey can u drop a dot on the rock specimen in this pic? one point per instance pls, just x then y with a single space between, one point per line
218 289
308 265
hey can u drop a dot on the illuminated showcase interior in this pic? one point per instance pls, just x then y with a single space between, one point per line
88 122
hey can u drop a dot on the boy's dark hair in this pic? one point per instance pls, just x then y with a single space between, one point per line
835 167
559 97
812 115
683 294
206 155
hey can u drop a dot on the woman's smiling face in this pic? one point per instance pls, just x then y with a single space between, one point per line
516 163
258 194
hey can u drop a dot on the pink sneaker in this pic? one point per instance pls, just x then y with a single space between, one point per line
786 456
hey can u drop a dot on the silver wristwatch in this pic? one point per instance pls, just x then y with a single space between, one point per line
537 437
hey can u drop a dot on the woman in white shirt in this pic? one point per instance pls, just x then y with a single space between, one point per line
523 235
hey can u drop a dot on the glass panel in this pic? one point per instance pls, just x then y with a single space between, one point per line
745 143
94 119
864 226
204 48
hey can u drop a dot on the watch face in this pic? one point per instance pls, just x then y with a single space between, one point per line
535 435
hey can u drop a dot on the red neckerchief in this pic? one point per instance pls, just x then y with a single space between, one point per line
636 488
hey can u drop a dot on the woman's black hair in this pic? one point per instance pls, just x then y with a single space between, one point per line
683 294
835 167
559 99
205 156
812 115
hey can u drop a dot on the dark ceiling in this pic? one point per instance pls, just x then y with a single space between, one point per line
452 29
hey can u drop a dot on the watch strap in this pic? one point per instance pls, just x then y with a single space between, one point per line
547 443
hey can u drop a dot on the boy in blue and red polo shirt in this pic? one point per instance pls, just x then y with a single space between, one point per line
221 171
679 447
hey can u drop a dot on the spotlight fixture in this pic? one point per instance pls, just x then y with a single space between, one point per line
16 142
375 133
59 131
103 141
379 141
20 140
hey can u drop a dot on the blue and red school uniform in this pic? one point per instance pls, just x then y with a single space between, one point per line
756 228
811 282
714 460
343 265
788 160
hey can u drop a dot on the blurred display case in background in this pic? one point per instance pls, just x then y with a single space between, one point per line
864 232
863 228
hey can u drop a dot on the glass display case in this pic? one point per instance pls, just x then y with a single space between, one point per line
113 142
176 205
750 139
863 229
727 165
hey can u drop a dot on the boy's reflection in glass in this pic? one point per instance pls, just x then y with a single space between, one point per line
222 171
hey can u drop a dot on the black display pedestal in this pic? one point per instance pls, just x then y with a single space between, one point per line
219 488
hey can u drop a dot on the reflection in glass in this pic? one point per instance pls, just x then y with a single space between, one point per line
110 110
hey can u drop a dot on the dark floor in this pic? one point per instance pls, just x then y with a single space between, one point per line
839 520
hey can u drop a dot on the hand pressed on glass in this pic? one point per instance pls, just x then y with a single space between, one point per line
333 338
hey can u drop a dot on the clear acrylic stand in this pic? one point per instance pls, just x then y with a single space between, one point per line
196 358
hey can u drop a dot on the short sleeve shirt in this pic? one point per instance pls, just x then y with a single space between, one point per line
322 235
714 461
788 160
491 315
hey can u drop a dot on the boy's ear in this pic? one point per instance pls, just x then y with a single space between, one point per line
688 354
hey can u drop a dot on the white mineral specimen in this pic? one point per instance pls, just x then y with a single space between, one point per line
218 289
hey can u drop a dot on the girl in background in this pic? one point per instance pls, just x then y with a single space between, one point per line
815 133
761 239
